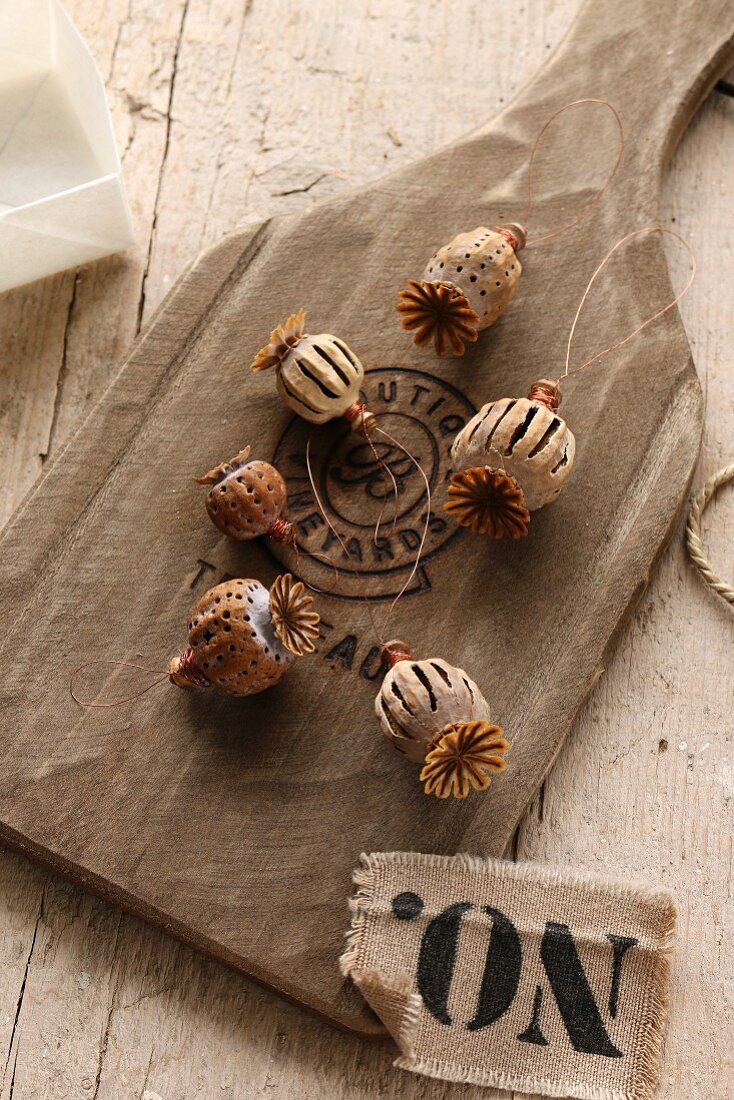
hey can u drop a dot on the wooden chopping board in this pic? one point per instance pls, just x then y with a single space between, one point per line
235 825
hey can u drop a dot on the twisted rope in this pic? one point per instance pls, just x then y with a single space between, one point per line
694 542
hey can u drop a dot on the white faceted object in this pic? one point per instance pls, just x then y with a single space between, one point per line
62 201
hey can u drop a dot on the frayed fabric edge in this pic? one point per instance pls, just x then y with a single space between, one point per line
522 871
397 1005
363 878
444 1071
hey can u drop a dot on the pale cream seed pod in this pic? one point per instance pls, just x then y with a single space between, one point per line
319 377
465 288
435 715
510 459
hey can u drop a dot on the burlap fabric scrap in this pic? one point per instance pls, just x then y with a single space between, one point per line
514 975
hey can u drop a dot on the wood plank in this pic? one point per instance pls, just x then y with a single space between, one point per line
212 1025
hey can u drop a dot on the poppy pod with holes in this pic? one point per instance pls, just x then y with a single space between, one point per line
513 457
246 500
435 715
243 638
465 288
319 377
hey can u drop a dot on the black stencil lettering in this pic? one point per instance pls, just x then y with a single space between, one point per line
354 548
203 566
436 405
344 652
573 994
329 540
501 971
417 391
298 501
437 957
621 945
407 906
393 393
532 1033
372 667
436 525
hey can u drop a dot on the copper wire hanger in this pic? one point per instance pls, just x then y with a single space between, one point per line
584 213
567 373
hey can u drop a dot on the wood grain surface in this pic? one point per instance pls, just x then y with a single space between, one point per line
117 1010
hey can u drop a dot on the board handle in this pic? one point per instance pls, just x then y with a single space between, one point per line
655 60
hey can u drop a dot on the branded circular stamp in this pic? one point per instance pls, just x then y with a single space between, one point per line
424 413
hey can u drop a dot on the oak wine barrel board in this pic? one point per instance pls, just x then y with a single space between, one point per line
235 824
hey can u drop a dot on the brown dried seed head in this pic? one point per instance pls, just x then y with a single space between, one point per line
282 339
231 638
295 624
488 501
247 498
437 312
462 757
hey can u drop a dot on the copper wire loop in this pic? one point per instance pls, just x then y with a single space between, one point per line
282 530
188 671
545 393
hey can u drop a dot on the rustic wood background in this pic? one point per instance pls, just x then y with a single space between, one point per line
227 111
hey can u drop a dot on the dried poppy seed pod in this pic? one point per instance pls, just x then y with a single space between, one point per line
243 638
436 715
247 499
465 288
318 377
514 456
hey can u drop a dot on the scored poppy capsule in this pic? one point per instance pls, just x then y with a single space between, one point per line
319 377
244 638
465 288
513 457
435 715
247 498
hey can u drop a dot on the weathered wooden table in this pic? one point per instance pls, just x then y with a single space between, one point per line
225 112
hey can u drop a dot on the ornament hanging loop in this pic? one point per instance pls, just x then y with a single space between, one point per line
584 213
620 343
161 677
